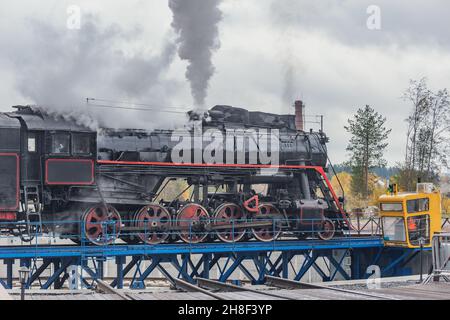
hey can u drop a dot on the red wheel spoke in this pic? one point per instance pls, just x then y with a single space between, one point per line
93 231
268 233
152 220
189 218
102 228
328 230
227 214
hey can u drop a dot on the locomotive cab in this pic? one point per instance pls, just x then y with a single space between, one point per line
410 219
45 159
55 151
9 167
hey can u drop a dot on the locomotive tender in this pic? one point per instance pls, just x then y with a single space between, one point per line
58 176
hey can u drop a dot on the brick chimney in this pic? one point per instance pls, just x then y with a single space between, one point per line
299 120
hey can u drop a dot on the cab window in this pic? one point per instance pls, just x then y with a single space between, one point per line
393 206
418 205
81 144
394 229
31 142
60 143
419 227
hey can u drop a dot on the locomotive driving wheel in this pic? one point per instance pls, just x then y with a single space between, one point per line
153 221
191 219
231 215
328 230
267 213
102 224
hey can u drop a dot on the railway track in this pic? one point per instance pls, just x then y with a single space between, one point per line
103 287
293 285
225 291
274 288
227 287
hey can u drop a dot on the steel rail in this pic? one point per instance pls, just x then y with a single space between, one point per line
227 287
189 287
291 284
102 286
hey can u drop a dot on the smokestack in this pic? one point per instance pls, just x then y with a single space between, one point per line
299 115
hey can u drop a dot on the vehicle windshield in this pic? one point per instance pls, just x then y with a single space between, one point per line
394 229
419 229
418 205
391 206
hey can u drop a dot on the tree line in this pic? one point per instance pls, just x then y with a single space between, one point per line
426 150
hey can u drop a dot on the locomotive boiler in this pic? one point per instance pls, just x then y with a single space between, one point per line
242 176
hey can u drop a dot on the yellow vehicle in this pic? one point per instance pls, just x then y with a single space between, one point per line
412 218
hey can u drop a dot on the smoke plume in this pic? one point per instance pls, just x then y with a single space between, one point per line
58 69
289 56
196 23
290 85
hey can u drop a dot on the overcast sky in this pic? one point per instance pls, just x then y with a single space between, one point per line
271 52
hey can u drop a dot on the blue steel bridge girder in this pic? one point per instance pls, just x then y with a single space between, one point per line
140 273
39 266
254 260
392 261
95 270
338 266
398 260
9 273
59 274
308 262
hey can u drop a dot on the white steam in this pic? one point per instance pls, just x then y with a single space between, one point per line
59 68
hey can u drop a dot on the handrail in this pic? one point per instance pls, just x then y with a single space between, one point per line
440 257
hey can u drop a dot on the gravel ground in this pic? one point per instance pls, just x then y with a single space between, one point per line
383 285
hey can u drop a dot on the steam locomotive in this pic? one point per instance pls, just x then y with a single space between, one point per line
101 185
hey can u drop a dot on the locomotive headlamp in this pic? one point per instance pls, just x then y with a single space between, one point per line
23 274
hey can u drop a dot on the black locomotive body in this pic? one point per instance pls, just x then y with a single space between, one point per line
58 176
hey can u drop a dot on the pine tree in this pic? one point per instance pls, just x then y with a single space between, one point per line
366 146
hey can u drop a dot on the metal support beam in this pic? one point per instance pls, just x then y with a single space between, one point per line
62 265
146 273
356 264
338 266
206 258
225 275
9 272
125 271
118 282
308 263
396 262
35 275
